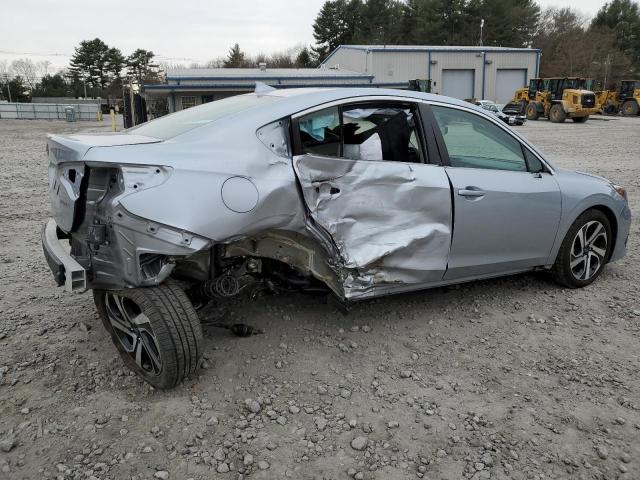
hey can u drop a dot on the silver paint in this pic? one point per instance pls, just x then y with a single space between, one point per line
397 237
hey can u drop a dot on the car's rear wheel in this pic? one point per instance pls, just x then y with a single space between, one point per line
584 250
155 329
557 113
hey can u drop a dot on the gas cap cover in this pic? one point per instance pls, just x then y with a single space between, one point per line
239 194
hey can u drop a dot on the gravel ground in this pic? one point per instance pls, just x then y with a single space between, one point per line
509 378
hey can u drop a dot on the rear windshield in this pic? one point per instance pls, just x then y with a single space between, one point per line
174 124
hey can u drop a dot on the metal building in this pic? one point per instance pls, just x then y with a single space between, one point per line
188 87
491 73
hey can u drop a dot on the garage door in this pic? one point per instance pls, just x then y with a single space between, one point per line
458 83
508 80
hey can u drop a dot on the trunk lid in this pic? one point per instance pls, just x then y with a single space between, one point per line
67 171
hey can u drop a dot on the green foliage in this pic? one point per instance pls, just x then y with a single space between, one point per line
304 59
510 23
236 58
337 24
17 87
622 17
51 86
90 63
139 65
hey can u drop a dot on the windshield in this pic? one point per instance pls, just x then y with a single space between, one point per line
174 124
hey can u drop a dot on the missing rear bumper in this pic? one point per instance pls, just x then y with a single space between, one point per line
66 270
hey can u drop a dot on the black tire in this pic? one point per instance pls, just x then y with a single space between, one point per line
630 108
562 271
557 113
532 111
580 119
169 336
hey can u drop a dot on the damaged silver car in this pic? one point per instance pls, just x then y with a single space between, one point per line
357 192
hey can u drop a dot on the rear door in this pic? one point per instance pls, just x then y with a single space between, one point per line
507 204
367 187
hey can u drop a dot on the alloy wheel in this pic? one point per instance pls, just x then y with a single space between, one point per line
133 330
588 250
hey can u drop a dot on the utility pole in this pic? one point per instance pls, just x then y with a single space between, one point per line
607 62
6 78
481 27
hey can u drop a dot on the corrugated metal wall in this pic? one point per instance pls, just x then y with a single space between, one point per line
47 111
401 66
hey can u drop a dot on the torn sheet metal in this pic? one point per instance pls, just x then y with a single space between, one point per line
390 221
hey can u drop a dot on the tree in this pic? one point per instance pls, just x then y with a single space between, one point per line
139 65
26 69
51 86
569 49
623 18
90 64
19 91
337 24
380 22
116 62
507 23
235 58
438 22
304 60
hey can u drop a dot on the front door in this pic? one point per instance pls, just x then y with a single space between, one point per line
507 205
366 185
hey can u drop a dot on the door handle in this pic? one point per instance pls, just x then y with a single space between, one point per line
471 192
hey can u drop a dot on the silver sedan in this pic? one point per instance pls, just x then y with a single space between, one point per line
355 192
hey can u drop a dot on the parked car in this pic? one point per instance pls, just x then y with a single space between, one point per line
356 192
509 117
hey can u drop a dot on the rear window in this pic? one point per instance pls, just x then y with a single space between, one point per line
174 124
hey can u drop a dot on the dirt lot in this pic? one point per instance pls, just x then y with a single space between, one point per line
511 378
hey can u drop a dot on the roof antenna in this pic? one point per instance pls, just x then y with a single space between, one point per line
263 89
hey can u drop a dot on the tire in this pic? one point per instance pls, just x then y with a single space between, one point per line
597 229
532 111
557 113
155 329
580 119
609 109
630 108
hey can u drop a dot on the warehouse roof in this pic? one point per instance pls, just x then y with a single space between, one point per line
429 48
262 74
437 48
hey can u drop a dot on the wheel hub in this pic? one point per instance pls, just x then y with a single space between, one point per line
133 330
588 250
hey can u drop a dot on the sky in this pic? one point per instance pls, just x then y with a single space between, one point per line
178 32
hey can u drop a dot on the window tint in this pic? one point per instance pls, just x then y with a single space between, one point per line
366 132
320 132
171 125
535 165
474 142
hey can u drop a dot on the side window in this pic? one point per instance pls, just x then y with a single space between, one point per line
535 165
362 132
320 133
380 132
475 142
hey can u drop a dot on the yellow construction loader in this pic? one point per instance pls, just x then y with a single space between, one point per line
625 99
557 99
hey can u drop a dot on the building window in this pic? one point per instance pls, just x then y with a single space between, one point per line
188 101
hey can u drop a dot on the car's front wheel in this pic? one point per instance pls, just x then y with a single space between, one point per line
584 250
155 329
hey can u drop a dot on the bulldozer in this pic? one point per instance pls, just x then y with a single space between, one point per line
625 99
557 99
